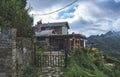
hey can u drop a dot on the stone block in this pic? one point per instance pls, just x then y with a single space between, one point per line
2 74
15 53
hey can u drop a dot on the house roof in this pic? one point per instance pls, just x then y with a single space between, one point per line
44 33
64 36
56 24
68 35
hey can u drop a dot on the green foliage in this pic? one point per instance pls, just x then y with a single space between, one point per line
13 14
39 50
84 63
31 71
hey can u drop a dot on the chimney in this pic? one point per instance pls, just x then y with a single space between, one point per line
38 26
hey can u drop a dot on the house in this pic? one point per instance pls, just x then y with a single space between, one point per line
66 41
58 27
54 36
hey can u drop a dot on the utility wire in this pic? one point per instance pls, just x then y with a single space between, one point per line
58 9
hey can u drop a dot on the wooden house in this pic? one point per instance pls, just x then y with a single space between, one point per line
54 36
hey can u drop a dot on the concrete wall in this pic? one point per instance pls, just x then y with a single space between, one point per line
64 30
15 53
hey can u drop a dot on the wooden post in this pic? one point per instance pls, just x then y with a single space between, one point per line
35 53
35 44
66 52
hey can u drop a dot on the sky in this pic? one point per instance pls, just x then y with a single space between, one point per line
88 17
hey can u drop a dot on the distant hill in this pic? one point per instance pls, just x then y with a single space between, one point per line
108 43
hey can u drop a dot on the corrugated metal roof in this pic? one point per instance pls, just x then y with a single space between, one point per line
44 33
56 24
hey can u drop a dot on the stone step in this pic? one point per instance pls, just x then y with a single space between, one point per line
51 72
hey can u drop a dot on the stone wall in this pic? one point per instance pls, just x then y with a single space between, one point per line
7 41
24 55
15 53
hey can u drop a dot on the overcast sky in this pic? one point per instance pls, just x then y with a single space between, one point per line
89 17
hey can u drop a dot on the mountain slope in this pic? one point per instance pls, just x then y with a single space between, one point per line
108 43
90 63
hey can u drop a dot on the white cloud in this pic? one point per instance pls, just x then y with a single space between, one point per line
116 25
117 0
90 16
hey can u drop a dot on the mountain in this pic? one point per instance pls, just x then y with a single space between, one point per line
107 43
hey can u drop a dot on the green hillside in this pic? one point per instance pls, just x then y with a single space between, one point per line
108 43
85 63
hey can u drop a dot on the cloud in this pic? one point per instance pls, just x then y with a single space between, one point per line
89 17
68 13
46 5
110 8
116 25
101 16
117 0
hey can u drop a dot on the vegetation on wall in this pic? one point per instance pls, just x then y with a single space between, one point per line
85 63
13 14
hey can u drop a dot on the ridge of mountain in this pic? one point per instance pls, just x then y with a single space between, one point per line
107 43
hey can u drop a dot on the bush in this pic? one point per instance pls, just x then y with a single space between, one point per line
83 63
31 71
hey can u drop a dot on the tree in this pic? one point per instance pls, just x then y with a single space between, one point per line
14 14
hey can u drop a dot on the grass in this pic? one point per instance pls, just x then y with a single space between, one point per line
31 71
84 63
